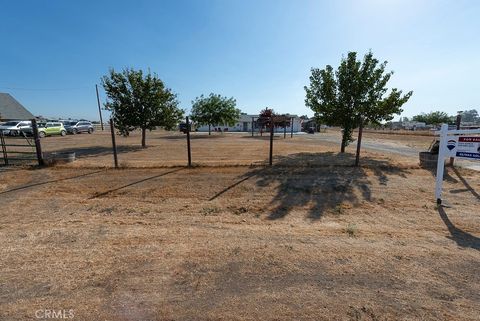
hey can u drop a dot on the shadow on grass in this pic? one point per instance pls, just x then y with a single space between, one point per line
266 136
321 181
446 174
468 187
462 238
97 195
193 136
92 151
49 182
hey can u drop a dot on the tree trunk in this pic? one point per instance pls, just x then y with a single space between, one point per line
144 134
359 143
209 129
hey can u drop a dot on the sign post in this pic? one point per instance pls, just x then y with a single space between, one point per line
441 163
466 147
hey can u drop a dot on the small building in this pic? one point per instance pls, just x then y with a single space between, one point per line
414 125
408 125
11 109
244 124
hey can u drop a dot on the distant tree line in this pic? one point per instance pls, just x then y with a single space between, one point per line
440 117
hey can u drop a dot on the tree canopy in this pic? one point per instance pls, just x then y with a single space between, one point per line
265 116
470 116
434 118
355 93
140 101
214 110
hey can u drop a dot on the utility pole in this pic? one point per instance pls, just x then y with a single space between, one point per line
99 108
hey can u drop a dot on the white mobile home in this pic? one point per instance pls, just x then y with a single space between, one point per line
244 124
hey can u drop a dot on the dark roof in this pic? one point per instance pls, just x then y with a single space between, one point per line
10 109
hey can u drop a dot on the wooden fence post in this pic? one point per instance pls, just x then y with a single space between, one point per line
189 152
4 148
38 146
114 144
458 122
359 143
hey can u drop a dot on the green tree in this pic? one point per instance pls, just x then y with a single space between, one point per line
214 110
140 101
354 94
434 118
470 116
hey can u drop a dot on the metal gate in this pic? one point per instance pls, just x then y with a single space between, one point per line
21 149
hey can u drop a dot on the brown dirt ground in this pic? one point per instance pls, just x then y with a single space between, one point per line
166 149
294 242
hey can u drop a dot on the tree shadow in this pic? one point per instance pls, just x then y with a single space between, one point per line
462 238
321 181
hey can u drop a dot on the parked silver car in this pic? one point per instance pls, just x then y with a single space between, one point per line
77 127
14 127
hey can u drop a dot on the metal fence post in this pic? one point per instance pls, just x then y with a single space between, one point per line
252 124
291 127
270 159
114 144
38 146
189 152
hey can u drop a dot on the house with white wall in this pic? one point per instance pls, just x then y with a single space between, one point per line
244 124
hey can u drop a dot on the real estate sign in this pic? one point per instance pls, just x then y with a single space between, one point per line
468 147
455 143
463 147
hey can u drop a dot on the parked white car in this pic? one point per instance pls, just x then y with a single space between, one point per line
14 127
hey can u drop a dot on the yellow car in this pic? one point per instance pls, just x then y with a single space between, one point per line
53 128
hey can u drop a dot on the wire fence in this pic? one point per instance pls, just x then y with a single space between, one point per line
106 148
174 148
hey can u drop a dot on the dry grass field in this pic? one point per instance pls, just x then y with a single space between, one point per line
166 149
311 238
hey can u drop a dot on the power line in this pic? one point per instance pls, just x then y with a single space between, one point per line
45 89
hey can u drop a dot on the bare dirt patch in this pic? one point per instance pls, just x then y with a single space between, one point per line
227 149
296 241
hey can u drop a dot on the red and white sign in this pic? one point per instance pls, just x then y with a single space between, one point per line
455 143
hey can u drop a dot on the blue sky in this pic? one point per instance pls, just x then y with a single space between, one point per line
53 53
